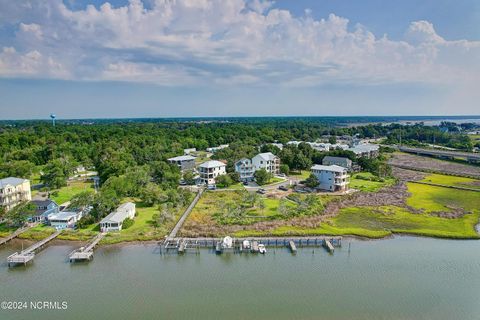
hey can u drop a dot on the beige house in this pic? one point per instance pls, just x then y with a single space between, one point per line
267 161
210 170
13 191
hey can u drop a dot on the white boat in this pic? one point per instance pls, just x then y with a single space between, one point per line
227 242
261 248
246 244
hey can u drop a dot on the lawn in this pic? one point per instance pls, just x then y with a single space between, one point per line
5 230
364 181
303 175
453 181
66 193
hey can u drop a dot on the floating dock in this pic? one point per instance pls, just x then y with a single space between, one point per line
28 254
181 245
86 253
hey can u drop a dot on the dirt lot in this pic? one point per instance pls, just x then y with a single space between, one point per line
434 165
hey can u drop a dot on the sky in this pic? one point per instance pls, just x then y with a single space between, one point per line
173 58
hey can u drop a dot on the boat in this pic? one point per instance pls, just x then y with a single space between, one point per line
246 244
261 248
227 242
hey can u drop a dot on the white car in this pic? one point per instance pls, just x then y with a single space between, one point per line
261 248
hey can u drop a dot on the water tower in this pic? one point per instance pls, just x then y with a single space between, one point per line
53 116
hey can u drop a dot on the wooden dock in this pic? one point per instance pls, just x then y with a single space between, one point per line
28 254
180 245
86 253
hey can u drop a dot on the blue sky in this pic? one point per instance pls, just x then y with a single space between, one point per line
88 59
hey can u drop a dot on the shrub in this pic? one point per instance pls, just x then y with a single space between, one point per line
127 223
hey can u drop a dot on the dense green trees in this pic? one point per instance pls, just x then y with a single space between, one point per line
262 176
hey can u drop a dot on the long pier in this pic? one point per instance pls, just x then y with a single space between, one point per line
182 245
86 253
28 254
184 216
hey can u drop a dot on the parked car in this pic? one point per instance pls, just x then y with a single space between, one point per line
211 187
245 183
261 190
283 188
283 175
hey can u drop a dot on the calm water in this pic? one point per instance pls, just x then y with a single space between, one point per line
402 278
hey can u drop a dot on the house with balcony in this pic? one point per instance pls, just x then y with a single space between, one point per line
186 162
244 168
331 178
14 191
267 161
67 219
210 170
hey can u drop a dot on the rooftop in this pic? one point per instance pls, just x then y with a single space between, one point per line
266 156
333 168
11 181
212 164
64 215
120 214
182 158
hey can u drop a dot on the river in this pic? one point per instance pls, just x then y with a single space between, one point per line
399 278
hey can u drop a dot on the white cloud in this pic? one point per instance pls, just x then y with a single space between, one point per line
222 42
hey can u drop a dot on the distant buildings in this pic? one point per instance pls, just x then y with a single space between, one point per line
13 191
189 151
338 161
331 178
244 168
44 208
267 161
186 162
366 150
215 149
114 221
209 170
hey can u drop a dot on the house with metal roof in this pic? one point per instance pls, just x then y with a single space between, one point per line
338 161
66 219
244 168
114 221
186 162
14 191
366 150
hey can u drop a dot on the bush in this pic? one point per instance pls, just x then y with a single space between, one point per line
127 223
85 221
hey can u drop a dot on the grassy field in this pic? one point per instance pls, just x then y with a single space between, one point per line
64 194
302 175
453 181
219 207
5 230
378 222
364 181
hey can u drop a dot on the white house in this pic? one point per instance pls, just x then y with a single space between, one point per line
332 178
13 191
189 151
267 161
215 149
114 221
186 162
209 170
66 219
244 168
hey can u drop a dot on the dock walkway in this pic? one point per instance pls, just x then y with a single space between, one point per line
28 254
182 219
86 253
